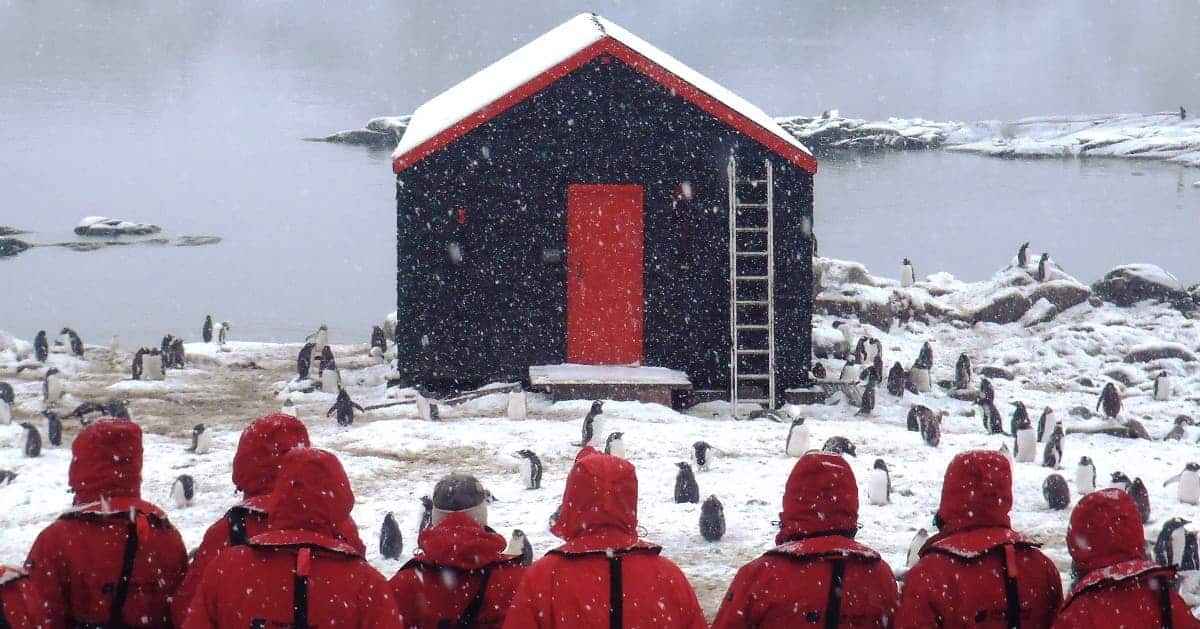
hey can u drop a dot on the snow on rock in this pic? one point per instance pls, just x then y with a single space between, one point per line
830 130
1040 312
1006 306
1147 352
13 349
1129 284
359 137
104 226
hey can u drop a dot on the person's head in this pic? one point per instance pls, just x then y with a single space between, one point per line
1105 529
821 497
459 493
260 452
599 503
977 492
311 493
106 461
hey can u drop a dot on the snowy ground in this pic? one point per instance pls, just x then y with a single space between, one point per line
393 458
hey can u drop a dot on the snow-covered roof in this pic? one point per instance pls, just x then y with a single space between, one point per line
548 58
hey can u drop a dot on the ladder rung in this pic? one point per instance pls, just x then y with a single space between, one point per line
761 206
750 229
754 182
751 253
754 351
751 302
750 326
754 400
753 376
752 278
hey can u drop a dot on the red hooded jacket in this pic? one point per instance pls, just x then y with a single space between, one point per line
1118 586
20 604
574 584
78 562
790 585
977 566
302 558
444 579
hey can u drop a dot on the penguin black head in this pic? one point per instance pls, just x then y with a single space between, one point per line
1184 420
1120 477
64 331
880 465
116 408
1174 523
1192 467
52 371
906 262
597 407
684 466
799 421
197 429
1083 460
526 454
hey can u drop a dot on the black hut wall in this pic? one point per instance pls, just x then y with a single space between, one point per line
482 293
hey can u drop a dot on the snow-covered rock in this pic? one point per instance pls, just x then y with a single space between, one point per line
1147 352
12 246
1040 312
360 137
104 226
1063 293
1129 284
1006 306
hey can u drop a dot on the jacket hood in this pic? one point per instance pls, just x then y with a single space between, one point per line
260 451
106 461
977 492
1105 530
311 503
459 541
599 504
821 497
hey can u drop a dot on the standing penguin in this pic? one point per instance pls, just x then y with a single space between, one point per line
818 371
327 364
531 469
1085 476
712 519
1042 267
1141 498
207 330
516 408
879 484
344 407
519 546
908 276
164 346
1189 484
183 491
304 361
962 373
1019 414
178 353
6 400
1118 480
152 365
1171 542
1110 400
319 339
987 392
53 428
1052 456
137 367
589 423
117 408
1023 256
992 424
1162 387
931 430
915 546
391 542
797 439
426 513
223 329
41 348
839 445
895 380
33 440
920 372
702 452
1047 420
52 386
1024 439
867 403
1056 492
201 440
686 488
378 342
73 340
915 416
1178 432
615 444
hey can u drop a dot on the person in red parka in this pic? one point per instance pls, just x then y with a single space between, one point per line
460 575
977 571
1117 586
20 604
790 586
255 466
113 559
301 572
603 575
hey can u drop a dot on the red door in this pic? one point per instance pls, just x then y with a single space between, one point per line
604 274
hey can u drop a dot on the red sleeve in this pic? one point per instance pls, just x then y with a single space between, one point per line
48 572
216 538
887 584
690 613
375 599
203 609
528 604
919 604
1181 615
403 585
735 609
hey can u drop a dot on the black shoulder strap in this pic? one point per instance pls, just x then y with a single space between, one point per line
300 603
237 526
467 619
1164 603
833 609
1012 596
3 618
616 594
122 592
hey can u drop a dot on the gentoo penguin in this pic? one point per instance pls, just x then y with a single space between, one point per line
6 400
920 372
6 393
1178 432
1024 440
52 386
41 348
797 439
686 489
877 369
391 542
531 469
304 361
818 371
712 519
879 484
1023 256
915 546
589 423
319 339
962 372
516 408
875 351
907 275
1171 541
1118 480
1052 456
839 445
1041 268
860 350
1056 492
7 477
426 410
117 408
164 347
1085 476
1162 387
152 365
223 333
615 444
702 452
378 342
331 379
73 340
1020 413
201 440
986 391
53 428
1047 420
1110 400
344 407
931 429
1141 498
1189 484
207 330
33 440
867 403
138 365
178 353
519 546
895 380
1191 553
992 424
426 513
851 371
325 358
183 490
87 408
841 350
915 415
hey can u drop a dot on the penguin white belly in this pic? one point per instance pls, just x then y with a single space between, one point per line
330 381
617 448
179 496
423 408
1162 389
906 277
920 378
516 405
527 473
877 482
1084 482
5 413
54 389
797 443
152 367
1026 445
203 443
1189 488
850 372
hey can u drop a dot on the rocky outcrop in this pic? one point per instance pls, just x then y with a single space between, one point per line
1129 284
12 246
1063 294
1158 351
1006 306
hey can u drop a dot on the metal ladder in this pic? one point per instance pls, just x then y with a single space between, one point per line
751 304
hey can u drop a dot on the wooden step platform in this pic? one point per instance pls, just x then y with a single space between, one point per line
609 382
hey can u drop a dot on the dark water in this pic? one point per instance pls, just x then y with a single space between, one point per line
190 115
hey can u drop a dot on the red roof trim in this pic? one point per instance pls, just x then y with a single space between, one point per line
638 62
